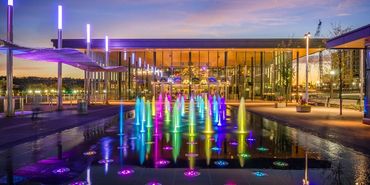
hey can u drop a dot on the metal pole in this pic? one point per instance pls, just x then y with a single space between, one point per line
88 74
9 63
340 83
106 74
361 77
307 48
60 80
297 78
305 180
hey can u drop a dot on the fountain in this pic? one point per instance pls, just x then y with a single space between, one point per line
153 106
149 122
137 111
176 117
160 106
215 109
167 111
191 118
121 119
241 117
208 128
182 106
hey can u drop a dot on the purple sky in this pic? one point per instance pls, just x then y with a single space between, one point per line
35 21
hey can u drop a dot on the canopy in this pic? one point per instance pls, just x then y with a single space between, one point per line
72 57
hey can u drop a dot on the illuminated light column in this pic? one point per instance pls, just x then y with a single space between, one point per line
60 88
106 75
307 37
9 62
88 74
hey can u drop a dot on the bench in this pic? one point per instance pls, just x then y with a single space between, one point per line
347 103
319 101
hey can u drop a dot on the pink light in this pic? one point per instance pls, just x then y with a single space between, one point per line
88 33
10 2
153 183
60 17
139 61
106 44
167 148
162 162
126 172
125 55
61 170
191 173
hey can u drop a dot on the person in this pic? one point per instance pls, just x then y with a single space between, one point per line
36 107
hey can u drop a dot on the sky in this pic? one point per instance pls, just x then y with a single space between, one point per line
35 21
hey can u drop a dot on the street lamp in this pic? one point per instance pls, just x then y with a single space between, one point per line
332 73
307 37
60 79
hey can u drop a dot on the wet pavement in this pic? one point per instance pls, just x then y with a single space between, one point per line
272 149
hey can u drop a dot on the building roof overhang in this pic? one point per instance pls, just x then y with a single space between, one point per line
355 39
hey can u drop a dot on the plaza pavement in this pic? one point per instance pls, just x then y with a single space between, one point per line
346 129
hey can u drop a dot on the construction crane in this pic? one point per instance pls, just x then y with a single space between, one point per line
317 34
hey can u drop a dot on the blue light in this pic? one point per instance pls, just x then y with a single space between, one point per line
259 174
221 163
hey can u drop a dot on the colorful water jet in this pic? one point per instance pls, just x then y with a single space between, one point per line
208 128
153 106
242 117
191 117
149 121
121 119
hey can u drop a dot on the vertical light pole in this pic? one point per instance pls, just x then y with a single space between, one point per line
60 88
305 180
9 62
88 74
106 75
307 37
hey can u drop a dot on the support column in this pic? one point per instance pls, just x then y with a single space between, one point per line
366 84
340 83
225 73
253 79
362 58
120 76
9 64
106 74
129 79
190 78
297 78
262 73
154 76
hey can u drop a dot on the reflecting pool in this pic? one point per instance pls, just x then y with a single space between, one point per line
178 143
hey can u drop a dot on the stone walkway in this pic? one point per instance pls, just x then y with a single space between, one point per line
346 129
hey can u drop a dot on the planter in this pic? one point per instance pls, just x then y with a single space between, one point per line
280 104
303 108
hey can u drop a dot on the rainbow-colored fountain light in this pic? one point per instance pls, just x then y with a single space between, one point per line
242 117
191 117
153 106
208 128
182 103
167 110
137 111
149 122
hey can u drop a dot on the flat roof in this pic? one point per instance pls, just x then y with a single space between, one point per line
355 39
121 44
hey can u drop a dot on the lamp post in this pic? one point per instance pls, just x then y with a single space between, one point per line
9 62
307 37
106 75
60 37
87 73
305 180
332 73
